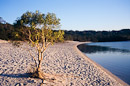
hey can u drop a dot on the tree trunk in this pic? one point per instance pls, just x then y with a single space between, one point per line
40 73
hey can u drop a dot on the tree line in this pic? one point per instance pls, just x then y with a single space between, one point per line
98 36
16 32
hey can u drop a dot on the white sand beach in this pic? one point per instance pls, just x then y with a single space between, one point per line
63 60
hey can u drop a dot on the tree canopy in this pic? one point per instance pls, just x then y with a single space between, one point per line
46 24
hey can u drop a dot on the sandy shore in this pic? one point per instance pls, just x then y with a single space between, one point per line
63 60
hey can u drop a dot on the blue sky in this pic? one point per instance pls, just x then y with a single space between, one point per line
74 14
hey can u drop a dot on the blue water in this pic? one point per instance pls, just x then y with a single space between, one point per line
114 56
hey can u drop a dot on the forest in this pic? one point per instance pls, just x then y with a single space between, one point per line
13 32
98 36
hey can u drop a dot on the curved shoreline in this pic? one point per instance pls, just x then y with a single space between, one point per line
99 66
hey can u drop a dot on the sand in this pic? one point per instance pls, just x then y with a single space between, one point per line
62 61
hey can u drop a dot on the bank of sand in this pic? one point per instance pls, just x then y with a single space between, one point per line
63 61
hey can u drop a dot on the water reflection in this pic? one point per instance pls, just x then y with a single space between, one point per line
114 56
95 49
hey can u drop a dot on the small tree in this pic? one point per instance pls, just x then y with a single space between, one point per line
40 34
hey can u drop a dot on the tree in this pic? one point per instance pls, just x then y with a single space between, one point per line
40 34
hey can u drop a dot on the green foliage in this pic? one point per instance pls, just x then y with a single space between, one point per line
59 36
40 26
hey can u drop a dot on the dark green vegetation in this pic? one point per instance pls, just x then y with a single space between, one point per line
6 31
98 36
14 32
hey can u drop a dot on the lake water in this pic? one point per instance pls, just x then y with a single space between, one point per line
114 56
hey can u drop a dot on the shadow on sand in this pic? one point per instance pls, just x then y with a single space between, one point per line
25 75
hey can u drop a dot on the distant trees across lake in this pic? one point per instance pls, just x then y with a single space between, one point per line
98 36
12 32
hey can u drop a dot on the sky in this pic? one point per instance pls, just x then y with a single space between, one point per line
79 15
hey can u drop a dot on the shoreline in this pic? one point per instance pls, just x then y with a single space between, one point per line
98 65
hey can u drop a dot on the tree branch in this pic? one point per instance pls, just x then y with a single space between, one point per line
33 58
32 40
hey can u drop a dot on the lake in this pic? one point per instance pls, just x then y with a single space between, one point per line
114 56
